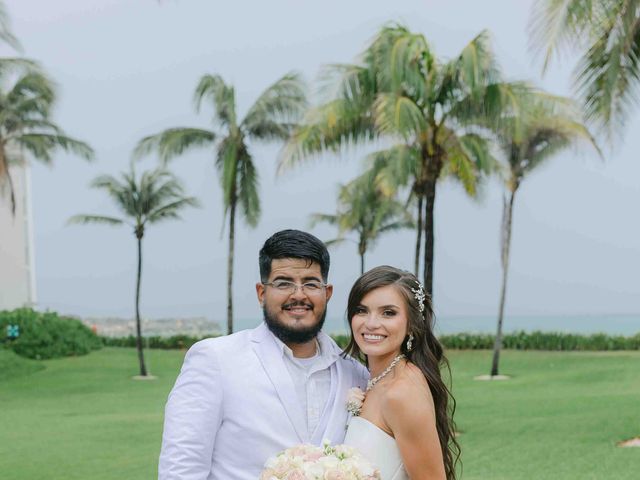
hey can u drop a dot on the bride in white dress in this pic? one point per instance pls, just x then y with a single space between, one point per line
404 424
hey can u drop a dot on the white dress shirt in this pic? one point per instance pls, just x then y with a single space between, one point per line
312 381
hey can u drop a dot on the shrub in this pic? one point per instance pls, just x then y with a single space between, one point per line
341 340
542 341
47 335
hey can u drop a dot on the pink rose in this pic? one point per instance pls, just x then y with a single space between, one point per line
295 475
336 475
313 456
355 398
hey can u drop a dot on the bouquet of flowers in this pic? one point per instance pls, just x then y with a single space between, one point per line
308 462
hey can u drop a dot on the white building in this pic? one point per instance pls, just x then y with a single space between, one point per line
17 274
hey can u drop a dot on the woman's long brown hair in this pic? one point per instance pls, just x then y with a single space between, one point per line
426 353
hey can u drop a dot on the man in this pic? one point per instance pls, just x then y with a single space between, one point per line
242 398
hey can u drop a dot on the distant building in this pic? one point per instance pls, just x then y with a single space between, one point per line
17 269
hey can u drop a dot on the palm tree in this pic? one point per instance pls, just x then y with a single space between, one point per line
271 117
542 126
608 34
25 120
366 211
401 93
156 196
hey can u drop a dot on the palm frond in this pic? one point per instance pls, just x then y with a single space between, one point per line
490 104
355 83
10 66
154 196
171 210
102 219
399 115
365 210
222 96
607 76
401 61
547 125
348 81
248 185
227 166
41 145
394 168
123 192
32 84
404 224
331 127
277 110
174 142
558 23
22 124
461 167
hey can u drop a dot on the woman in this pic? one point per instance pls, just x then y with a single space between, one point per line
404 424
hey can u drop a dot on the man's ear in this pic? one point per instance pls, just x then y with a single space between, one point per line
260 293
329 290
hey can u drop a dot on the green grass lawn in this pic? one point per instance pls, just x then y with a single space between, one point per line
12 365
558 418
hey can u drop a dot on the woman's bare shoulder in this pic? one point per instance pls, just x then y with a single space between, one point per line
409 389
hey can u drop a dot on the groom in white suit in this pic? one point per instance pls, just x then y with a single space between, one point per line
243 398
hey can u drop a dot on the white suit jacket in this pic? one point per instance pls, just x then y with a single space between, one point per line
234 405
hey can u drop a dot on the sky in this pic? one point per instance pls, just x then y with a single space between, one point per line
127 69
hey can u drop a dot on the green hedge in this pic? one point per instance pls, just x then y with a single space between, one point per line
459 341
341 340
543 341
46 335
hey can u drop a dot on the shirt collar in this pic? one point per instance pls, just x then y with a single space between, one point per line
327 354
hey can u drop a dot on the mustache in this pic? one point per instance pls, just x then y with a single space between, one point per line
297 304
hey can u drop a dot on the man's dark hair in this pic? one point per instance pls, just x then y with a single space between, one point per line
293 244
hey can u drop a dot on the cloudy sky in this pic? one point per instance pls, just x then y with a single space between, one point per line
126 69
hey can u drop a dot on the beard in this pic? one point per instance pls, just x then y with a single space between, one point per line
289 334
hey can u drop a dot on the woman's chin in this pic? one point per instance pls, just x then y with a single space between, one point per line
374 350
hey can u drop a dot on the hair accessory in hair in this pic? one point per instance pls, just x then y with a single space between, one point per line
420 295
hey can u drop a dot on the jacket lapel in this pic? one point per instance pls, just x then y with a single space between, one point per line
271 358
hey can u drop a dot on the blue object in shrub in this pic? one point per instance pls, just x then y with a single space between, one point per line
13 331
43 335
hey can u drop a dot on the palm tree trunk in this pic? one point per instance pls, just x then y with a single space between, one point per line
430 197
362 249
143 368
232 235
507 217
416 269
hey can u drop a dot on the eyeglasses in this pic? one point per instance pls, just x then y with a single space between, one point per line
285 286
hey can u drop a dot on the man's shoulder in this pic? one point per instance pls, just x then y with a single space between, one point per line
223 343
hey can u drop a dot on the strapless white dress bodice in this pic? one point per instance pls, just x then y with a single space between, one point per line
377 446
